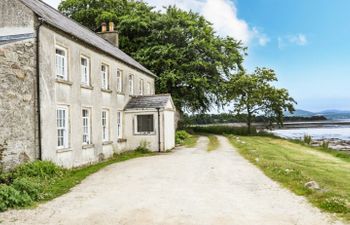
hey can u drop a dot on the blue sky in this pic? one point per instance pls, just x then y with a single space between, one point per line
304 41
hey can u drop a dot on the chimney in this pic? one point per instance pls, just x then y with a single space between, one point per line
111 35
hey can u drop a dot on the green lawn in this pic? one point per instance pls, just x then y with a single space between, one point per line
293 165
191 142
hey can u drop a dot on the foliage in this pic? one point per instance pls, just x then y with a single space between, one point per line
254 94
293 165
29 186
143 148
200 119
181 47
11 198
213 143
307 139
182 137
220 130
40 169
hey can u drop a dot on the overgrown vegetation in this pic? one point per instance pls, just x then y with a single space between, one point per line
307 139
220 130
213 143
186 139
293 165
42 181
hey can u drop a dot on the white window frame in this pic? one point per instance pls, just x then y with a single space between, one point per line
141 87
62 72
85 71
119 81
148 89
146 132
131 84
119 125
86 126
105 77
105 125
62 126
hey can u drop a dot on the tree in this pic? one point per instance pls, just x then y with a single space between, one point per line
181 47
255 95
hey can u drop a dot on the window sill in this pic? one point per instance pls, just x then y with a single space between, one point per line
106 90
64 150
107 143
120 93
145 134
87 87
66 82
121 140
88 146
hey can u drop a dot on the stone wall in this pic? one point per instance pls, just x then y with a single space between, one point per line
18 117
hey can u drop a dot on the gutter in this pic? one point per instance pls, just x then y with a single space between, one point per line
41 21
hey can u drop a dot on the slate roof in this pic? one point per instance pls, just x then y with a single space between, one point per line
148 102
54 18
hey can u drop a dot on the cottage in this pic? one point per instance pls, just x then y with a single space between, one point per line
70 95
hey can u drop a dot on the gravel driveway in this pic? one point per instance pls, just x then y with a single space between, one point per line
189 186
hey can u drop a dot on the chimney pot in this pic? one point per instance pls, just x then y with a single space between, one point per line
111 26
104 27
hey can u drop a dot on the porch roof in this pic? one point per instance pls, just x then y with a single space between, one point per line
148 102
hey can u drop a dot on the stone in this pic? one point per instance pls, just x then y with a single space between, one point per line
312 185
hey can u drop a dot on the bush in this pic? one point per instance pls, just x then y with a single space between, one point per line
10 198
40 169
243 131
335 205
307 139
181 136
143 148
28 186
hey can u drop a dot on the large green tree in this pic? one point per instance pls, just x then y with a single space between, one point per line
254 94
181 47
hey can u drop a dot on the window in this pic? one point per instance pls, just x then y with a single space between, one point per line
131 84
105 125
85 71
105 77
119 81
86 127
145 124
148 88
62 127
141 87
119 125
61 64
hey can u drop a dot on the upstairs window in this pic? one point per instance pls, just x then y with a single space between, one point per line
141 87
85 71
86 126
119 81
131 84
61 64
105 77
105 125
148 88
144 124
62 127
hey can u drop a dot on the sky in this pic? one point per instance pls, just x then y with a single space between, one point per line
305 42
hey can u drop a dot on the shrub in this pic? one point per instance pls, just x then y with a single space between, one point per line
28 186
10 198
243 131
40 169
307 139
325 145
143 148
335 205
181 136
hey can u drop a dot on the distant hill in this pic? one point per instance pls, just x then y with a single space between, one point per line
332 114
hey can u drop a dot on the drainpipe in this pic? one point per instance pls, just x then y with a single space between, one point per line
159 142
41 21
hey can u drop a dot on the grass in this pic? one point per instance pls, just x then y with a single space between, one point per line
39 181
293 164
213 143
191 142
186 139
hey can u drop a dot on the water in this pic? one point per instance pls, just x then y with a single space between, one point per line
333 132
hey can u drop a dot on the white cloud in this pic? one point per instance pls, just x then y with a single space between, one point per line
222 13
296 39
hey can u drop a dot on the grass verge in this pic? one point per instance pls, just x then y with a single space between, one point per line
213 143
186 139
41 181
293 165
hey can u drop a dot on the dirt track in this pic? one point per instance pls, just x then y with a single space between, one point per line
189 186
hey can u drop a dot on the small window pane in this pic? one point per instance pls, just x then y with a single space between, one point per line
145 123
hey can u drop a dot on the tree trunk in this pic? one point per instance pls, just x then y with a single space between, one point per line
249 122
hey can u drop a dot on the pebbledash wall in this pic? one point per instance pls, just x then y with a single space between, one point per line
75 97
18 98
